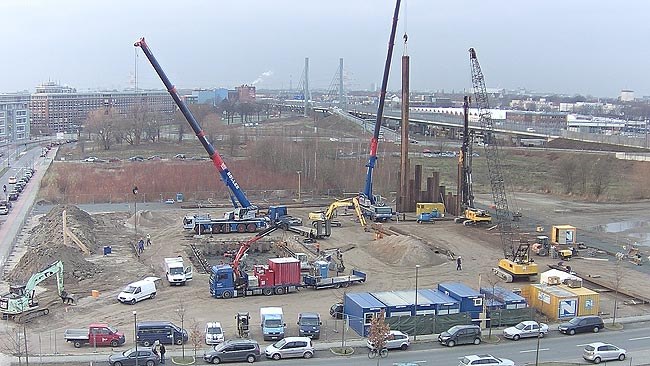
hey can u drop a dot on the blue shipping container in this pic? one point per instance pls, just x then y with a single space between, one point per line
359 308
423 304
471 301
395 305
509 298
443 303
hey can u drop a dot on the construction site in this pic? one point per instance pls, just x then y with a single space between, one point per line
409 225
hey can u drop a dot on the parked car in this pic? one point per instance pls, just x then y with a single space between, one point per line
525 329
600 351
145 357
395 340
136 158
234 350
90 159
485 360
19 187
336 311
213 333
12 180
290 347
13 195
170 201
4 210
164 332
139 290
154 157
461 334
179 156
581 324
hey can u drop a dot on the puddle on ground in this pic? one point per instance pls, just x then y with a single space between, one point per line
641 235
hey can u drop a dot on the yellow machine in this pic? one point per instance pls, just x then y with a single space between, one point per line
474 216
330 213
563 238
519 268
427 207
563 234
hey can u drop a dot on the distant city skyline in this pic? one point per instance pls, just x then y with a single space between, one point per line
576 47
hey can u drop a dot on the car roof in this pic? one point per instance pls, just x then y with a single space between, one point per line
397 332
598 344
293 339
478 357
213 325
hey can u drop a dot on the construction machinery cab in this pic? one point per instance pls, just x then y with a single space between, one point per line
520 267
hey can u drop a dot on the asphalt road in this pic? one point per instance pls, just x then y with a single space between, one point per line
554 347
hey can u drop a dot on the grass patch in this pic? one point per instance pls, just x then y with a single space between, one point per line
179 360
342 351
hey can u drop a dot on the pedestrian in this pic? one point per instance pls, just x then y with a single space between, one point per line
140 246
162 353
317 248
148 239
459 264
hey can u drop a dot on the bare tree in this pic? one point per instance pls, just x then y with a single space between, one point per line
234 139
196 336
103 123
567 173
13 344
135 122
180 313
602 176
493 281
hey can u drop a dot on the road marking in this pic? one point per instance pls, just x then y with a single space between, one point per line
535 350
638 338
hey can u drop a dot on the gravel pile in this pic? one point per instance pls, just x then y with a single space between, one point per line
404 251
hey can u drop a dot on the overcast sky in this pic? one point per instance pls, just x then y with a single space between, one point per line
565 46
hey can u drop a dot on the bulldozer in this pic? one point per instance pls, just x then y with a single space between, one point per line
474 216
519 268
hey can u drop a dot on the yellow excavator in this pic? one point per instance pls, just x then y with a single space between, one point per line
330 213
519 268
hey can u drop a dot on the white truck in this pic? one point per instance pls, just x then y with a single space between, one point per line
176 272
272 323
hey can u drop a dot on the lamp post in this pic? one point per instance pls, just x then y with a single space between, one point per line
135 335
415 335
299 171
135 211
539 336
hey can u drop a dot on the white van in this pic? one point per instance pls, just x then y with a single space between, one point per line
213 333
139 290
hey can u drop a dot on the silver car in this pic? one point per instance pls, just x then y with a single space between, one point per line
525 329
290 347
600 351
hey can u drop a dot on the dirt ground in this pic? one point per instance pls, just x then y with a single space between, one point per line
389 261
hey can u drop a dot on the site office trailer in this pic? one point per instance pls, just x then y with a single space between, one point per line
588 300
507 297
442 303
395 305
422 305
359 309
553 301
471 301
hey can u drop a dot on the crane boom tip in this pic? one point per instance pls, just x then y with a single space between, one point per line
139 42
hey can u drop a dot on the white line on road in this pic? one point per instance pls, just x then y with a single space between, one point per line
638 338
534 350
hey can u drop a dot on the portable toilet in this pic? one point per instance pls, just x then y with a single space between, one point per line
360 308
471 301
442 303
422 305
507 297
179 197
395 305
322 268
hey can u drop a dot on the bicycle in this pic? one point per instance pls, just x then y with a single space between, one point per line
373 352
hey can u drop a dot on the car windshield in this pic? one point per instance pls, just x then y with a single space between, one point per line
309 321
574 321
112 330
176 271
129 289
465 361
280 343
520 326
273 323
128 352
453 329
214 330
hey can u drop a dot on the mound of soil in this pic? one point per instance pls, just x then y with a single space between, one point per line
404 250
45 246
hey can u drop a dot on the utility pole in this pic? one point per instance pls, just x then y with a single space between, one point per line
306 87
342 99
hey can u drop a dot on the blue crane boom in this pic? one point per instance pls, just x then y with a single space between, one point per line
367 190
226 175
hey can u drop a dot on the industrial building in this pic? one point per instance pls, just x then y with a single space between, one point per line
14 117
56 108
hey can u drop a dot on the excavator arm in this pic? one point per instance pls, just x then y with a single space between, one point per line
246 245
55 269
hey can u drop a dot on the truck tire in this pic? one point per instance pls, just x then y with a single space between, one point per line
132 301
179 341
250 359
345 284
146 343
251 228
267 291
114 343
216 228
77 344
241 228
279 290
152 295
226 294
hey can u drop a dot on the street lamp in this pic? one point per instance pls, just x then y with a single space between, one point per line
415 335
135 334
135 211
299 171
539 336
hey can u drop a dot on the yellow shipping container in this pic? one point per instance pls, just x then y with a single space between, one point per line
554 302
424 207
563 234
588 301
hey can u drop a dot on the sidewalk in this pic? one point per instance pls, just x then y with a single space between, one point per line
102 354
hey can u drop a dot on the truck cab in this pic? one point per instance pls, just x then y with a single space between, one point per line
222 280
272 323
309 325
176 272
